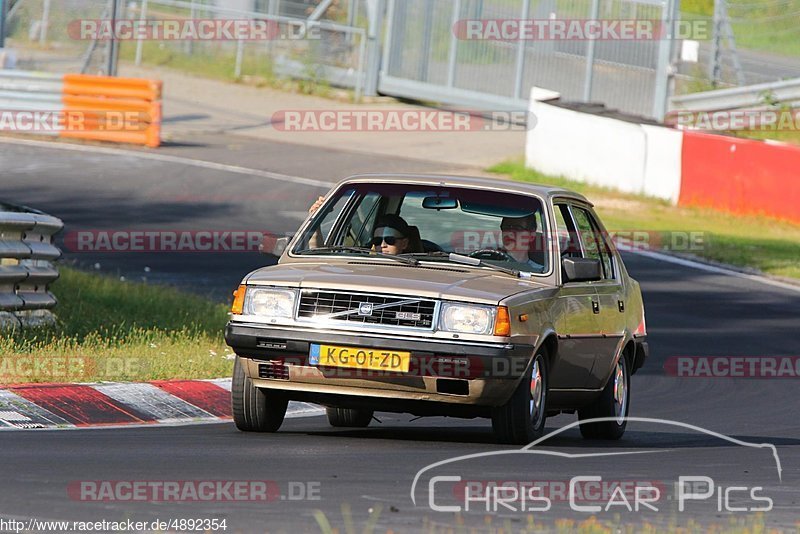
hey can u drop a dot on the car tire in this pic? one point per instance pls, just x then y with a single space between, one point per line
254 409
614 402
349 417
522 419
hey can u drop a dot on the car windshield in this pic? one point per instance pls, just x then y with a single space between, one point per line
429 223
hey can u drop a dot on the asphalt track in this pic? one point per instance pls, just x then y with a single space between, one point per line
691 312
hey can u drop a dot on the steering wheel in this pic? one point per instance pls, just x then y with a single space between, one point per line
491 254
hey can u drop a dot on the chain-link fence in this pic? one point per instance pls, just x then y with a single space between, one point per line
620 73
38 33
751 42
46 35
424 57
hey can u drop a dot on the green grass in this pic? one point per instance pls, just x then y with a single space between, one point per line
766 27
219 63
120 331
762 243
210 62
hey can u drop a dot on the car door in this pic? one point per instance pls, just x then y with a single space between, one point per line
577 325
611 314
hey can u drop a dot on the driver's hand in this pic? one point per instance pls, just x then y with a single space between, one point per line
316 205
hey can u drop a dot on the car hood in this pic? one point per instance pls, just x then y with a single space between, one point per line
450 282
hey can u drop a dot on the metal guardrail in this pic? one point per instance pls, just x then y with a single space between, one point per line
26 250
31 91
750 97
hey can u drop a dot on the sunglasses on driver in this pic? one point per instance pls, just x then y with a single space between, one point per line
390 237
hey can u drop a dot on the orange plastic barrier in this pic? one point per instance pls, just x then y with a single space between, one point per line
741 176
118 110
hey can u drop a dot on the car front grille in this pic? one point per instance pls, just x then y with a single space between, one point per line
367 309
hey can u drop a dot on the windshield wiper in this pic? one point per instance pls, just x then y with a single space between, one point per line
359 250
476 262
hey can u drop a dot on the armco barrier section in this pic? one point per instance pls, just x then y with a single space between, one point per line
741 176
604 151
26 250
97 108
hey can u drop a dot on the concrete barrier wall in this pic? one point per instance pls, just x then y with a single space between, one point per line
603 151
741 176
686 167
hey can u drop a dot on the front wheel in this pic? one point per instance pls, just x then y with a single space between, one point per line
254 409
613 403
521 420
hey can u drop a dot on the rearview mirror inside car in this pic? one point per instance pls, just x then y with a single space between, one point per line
582 270
439 203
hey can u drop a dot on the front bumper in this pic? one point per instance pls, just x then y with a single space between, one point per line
451 373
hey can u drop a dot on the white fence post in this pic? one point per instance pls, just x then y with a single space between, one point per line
45 22
140 42
239 58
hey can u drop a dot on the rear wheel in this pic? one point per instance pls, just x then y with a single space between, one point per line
614 403
254 409
349 417
521 420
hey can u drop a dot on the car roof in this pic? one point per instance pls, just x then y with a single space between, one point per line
495 184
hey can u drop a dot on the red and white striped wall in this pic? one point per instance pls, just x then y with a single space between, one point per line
685 167
31 406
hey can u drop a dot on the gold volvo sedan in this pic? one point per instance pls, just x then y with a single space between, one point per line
441 296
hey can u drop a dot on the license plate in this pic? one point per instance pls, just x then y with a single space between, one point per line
359 358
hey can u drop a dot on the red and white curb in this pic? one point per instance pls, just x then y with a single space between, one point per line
163 402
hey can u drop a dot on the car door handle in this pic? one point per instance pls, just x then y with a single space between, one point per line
621 306
595 306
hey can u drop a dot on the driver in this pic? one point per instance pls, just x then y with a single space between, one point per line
520 241
391 235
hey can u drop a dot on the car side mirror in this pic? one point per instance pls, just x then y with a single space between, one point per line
274 246
582 270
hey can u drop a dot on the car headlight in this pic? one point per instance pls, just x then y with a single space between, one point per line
467 319
267 302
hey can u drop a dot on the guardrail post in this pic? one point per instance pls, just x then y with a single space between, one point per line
113 45
239 58
453 59
521 44
664 70
376 11
3 13
589 77
140 41
45 22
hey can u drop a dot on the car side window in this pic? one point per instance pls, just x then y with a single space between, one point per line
320 236
594 245
565 232
358 231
